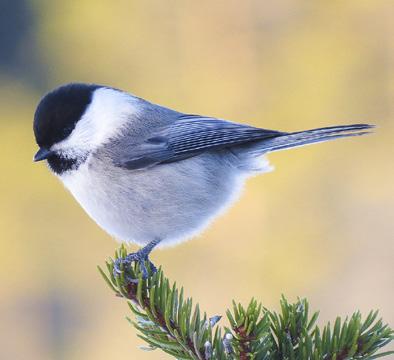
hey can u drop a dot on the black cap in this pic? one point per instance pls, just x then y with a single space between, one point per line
59 111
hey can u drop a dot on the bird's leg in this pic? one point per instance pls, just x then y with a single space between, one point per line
141 256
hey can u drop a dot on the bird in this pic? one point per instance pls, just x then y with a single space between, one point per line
150 175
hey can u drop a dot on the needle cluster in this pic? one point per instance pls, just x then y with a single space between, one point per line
167 320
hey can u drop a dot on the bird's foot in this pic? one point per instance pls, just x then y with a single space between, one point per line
141 257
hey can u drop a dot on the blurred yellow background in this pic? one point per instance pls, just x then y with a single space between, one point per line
320 226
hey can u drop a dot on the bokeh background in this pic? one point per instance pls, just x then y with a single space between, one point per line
320 226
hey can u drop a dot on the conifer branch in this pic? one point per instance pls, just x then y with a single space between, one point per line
168 321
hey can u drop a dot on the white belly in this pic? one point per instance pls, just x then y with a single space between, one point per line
171 202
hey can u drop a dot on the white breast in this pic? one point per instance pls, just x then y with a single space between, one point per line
171 202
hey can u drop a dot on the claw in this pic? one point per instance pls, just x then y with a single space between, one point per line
139 257
131 280
152 266
117 264
143 268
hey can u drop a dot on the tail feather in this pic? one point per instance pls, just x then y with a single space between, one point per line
301 138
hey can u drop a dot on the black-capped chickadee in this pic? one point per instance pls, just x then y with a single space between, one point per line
150 175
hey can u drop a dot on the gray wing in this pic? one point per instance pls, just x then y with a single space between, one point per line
188 136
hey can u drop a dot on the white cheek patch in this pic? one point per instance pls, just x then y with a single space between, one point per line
107 114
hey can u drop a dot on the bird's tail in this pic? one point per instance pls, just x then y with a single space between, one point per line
249 155
301 138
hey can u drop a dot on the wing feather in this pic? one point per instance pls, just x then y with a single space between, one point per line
188 136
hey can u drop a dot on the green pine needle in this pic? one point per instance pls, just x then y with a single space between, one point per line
168 321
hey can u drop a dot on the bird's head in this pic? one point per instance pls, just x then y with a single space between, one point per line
73 120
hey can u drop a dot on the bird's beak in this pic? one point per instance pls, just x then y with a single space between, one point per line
42 154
